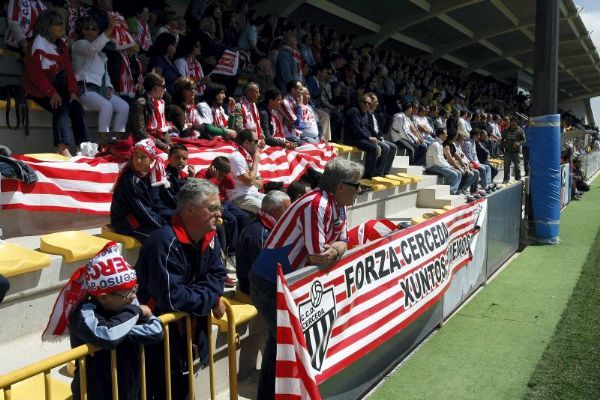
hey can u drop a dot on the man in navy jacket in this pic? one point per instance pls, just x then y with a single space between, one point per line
180 269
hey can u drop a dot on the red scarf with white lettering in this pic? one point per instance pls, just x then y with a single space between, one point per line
25 13
267 220
220 119
157 122
144 35
121 37
74 14
250 116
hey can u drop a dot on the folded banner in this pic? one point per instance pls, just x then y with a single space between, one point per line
376 290
83 184
227 64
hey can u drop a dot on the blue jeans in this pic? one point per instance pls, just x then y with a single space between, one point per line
468 180
452 175
485 175
385 161
264 296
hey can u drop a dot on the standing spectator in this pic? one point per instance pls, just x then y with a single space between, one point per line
103 311
147 113
187 64
21 19
161 61
306 50
180 269
244 168
137 208
312 231
248 40
435 163
139 28
320 92
512 139
289 63
95 87
254 236
49 80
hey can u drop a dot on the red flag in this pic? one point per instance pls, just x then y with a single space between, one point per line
294 376
369 231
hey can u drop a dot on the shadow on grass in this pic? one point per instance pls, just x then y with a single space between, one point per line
570 365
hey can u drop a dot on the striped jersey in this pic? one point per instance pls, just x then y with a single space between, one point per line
311 222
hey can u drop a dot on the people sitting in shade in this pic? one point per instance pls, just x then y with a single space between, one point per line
137 209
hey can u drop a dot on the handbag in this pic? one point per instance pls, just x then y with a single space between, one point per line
9 93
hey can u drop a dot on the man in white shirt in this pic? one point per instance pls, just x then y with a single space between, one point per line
244 168
405 135
435 163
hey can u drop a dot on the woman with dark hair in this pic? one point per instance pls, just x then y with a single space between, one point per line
271 120
49 80
183 113
161 62
147 113
95 87
211 109
186 61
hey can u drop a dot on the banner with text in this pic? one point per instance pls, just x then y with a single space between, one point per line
377 290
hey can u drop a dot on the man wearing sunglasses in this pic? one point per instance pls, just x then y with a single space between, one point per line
180 269
312 231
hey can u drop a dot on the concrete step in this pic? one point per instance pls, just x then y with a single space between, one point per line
401 161
437 196
409 169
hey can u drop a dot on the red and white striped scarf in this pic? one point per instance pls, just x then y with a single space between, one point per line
157 122
24 13
247 156
47 54
220 119
127 81
195 71
277 125
250 116
74 14
144 37
121 36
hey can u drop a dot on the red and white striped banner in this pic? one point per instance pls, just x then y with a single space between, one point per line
227 64
376 290
84 185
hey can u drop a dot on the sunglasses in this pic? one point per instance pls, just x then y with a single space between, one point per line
355 185
128 294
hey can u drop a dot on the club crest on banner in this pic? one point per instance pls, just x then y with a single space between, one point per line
317 315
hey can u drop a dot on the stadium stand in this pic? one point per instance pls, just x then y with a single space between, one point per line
41 248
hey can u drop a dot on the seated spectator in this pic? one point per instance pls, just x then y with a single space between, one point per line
126 72
184 115
95 87
245 113
176 174
322 98
469 177
272 120
579 177
388 149
137 209
483 152
436 163
253 237
405 135
423 126
290 109
161 61
263 76
49 80
244 168
298 189
180 268
289 63
219 173
147 113
309 127
470 151
186 62
21 16
212 112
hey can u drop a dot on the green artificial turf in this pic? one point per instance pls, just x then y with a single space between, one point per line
490 349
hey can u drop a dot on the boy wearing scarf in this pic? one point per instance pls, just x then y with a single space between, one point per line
99 306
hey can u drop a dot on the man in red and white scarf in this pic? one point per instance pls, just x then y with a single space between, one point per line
21 16
290 109
142 31
246 113
131 72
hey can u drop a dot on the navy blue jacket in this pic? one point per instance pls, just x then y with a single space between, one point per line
123 330
175 274
357 127
169 195
137 209
169 72
247 249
